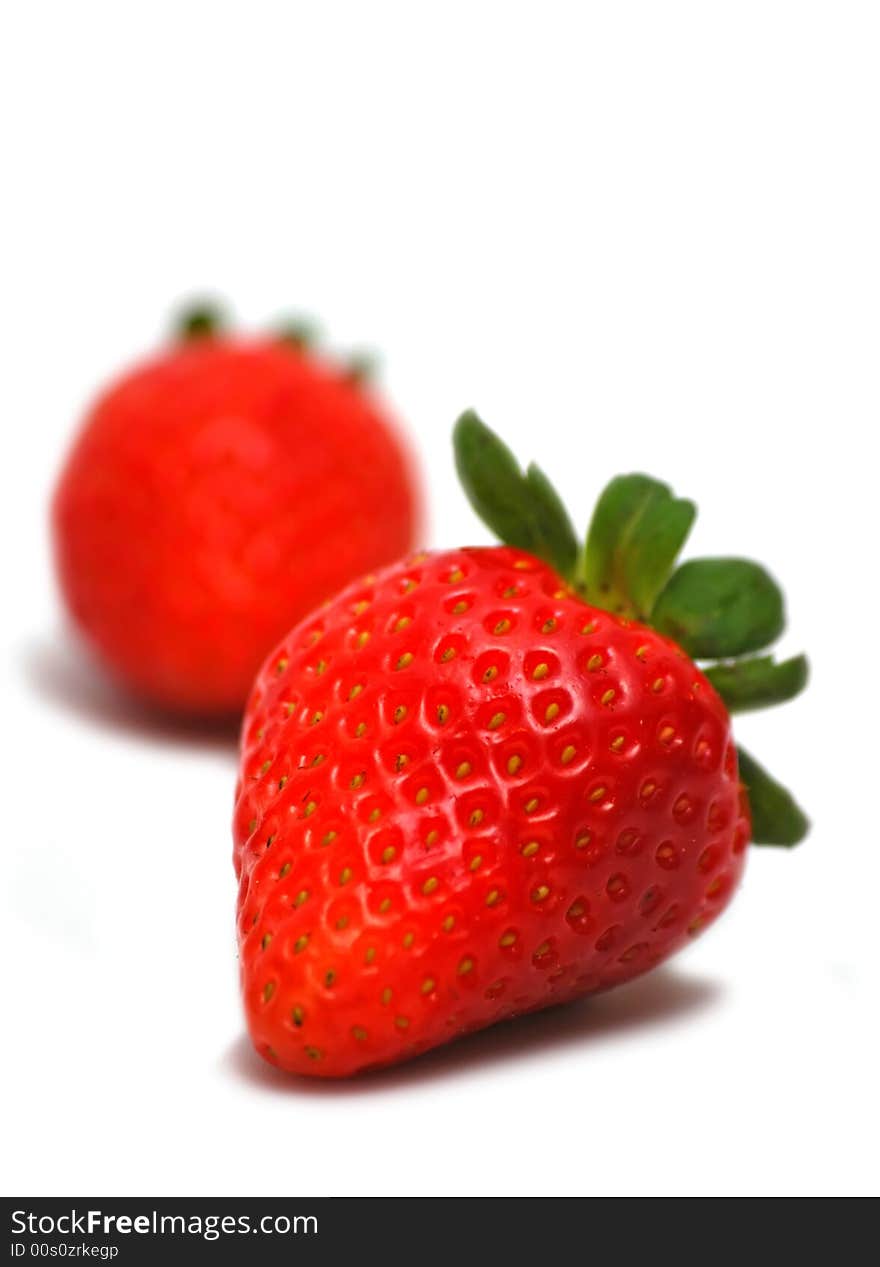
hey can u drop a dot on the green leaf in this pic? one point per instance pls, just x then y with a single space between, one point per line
554 526
650 554
637 530
718 608
492 480
756 683
777 819
199 321
523 510
299 332
620 505
361 367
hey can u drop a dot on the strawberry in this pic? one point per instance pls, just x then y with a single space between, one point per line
489 780
216 494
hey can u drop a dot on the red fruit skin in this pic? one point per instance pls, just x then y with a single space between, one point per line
465 794
214 496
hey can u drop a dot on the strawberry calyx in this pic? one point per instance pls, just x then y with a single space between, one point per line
360 367
777 819
758 681
299 332
201 319
719 610
204 319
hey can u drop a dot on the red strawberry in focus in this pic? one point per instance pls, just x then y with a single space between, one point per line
467 793
215 495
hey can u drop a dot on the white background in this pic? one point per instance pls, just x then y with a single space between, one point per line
635 236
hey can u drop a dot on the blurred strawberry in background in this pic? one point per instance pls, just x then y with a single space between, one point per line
216 494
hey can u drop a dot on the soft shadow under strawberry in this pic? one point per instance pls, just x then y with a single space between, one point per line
661 998
59 672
